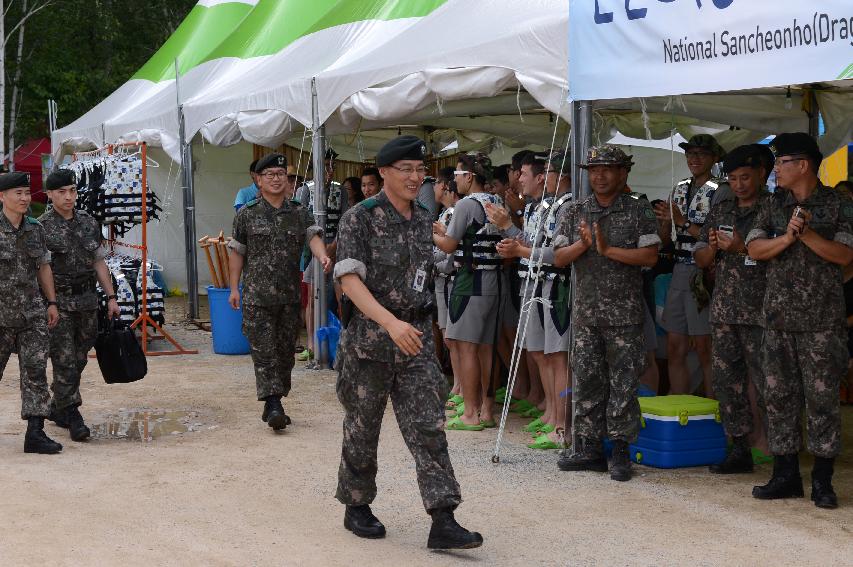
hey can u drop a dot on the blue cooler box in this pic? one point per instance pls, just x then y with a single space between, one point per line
679 431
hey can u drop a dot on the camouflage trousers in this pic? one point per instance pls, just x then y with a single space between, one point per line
418 390
70 343
31 344
804 369
736 358
272 331
607 362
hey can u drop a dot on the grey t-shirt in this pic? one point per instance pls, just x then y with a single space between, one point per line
466 212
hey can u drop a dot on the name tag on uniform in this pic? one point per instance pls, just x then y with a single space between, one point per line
748 261
420 280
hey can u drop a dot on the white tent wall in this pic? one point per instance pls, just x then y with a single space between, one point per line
219 173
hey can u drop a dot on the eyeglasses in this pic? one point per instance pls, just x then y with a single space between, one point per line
697 154
460 172
780 162
420 170
274 175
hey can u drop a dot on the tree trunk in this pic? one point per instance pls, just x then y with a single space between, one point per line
16 91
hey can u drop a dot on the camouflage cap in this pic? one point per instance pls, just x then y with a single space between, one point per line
607 154
705 142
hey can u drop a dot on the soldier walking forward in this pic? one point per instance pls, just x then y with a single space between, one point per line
384 264
24 268
269 236
77 259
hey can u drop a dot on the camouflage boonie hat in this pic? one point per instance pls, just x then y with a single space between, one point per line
705 142
607 154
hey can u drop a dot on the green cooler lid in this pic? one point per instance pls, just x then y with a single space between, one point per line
679 405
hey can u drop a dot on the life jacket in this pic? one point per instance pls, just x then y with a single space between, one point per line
444 218
333 205
534 217
478 249
551 222
696 213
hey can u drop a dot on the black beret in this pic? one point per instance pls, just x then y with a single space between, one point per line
402 147
331 154
272 160
796 143
742 156
60 178
14 180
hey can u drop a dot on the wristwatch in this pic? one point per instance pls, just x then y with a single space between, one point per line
686 225
112 297
519 212
49 303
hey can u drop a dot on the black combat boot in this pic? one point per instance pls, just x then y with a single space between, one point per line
447 534
739 459
620 462
588 457
361 521
274 414
76 425
823 495
58 417
36 441
786 481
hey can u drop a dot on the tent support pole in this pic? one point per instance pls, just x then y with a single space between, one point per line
189 218
581 140
320 182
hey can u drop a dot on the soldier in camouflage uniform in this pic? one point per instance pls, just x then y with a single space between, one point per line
607 237
736 316
384 266
806 236
77 260
24 268
268 238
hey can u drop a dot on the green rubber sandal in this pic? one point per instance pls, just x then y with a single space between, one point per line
305 355
547 428
534 425
500 395
488 423
453 401
543 442
533 412
456 424
521 406
460 409
759 457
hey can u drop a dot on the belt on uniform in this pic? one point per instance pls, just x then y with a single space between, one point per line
413 313
77 288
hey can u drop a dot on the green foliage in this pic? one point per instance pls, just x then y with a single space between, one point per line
77 52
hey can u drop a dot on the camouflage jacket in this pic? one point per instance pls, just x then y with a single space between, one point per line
609 293
22 252
739 288
75 245
804 292
271 242
393 256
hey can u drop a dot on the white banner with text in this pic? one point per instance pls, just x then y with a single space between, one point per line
642 48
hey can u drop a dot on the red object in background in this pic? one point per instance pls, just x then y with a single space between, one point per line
28 160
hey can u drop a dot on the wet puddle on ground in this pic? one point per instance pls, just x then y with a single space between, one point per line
147 425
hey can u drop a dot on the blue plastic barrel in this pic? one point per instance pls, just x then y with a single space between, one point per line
226 323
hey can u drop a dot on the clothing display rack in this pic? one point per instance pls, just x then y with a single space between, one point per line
144 320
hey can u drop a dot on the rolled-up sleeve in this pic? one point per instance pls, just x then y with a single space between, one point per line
844 234
352 254
239 235
648 226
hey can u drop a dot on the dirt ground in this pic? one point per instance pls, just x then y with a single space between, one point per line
215 486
